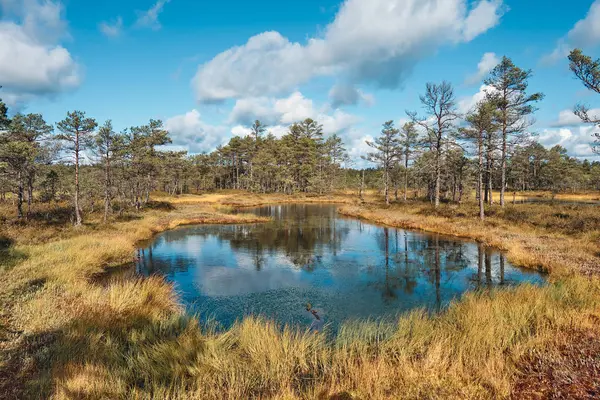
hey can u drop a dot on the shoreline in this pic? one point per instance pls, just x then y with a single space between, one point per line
96 336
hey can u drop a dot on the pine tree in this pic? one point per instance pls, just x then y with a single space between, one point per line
509 92
386 154
76 130
408 140
108 144
35 131
481 124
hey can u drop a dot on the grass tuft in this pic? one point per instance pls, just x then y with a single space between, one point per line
65 335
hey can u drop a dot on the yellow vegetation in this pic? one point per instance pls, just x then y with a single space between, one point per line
557 239
64 334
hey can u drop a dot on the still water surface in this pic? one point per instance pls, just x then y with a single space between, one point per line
346 268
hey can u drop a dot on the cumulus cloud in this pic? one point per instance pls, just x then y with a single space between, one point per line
586 32
32 62
577 140
348 95
466 104
294 108
246 111
111 29
487 63
353 46
567 118
189 132
149 18
485 15
287 110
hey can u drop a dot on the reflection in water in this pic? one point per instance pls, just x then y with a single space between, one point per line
344 267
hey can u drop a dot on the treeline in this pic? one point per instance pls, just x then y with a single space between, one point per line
303 160
93 164
491 147
439 154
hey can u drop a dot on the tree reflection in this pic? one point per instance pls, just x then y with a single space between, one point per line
302 232
307 253
489 271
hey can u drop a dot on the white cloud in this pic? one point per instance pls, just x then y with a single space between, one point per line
268 63
487 63
294 108
586 32
485 15
376 41
149 18
285 111
577 140
246 111
32 63
240 130
466 104
191 133
567 118
346 94
112 29
358 147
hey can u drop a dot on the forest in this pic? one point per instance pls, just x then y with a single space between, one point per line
439 155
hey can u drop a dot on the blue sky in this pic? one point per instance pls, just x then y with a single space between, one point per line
208 68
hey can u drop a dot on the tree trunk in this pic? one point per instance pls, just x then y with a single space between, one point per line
386 192
480 178
106 189
78 220
503 178
29 193
504 153
438 172
362 186
406 176
20 196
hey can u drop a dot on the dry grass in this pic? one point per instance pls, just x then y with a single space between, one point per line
64 335
520 196
558 239
240 199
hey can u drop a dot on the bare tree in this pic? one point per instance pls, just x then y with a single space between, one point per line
440 105
587 71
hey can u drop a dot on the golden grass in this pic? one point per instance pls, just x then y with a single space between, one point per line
240 199
66 336
520 196
557 239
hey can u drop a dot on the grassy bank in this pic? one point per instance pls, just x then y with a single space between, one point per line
562 239
65 335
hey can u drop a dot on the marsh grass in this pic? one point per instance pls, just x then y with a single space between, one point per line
559 239
66 336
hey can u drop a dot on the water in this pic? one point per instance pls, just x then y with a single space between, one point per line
345 268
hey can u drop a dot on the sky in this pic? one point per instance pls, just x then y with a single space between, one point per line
208 69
